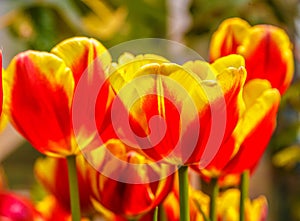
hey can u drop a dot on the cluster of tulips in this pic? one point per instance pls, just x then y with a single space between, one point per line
215 118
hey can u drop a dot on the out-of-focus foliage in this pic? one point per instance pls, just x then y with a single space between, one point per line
288 157
42 24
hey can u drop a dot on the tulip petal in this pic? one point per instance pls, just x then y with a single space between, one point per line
79 53
254 89
227 62
87 58
231 79
138 194
255 128
268 54
177 94
128 65
39 90
143 98
228 37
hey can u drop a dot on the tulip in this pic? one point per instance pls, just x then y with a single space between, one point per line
268 55
123 198
52 173
228 207
14 207
185 101
177 114
40 88
253 130
267 50
51 210
256 127
229 36
39 92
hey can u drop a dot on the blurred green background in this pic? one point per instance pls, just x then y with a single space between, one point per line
41 24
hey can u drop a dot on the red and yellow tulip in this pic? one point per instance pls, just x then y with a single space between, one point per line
51 210
267 50
39 88
52 173
184 97
131 198
256 126
253 130
228 37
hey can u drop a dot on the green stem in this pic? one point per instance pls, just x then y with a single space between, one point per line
184 193
73 184
155 215
244 186
162 213
213 199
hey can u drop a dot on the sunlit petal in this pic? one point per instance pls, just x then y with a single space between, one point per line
256 126
39 88
228 37
79 53
268 54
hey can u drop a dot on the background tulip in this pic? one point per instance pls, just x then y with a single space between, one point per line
272 48
51 210
267 50
228 207
228 37
17 208
133 198
52 173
